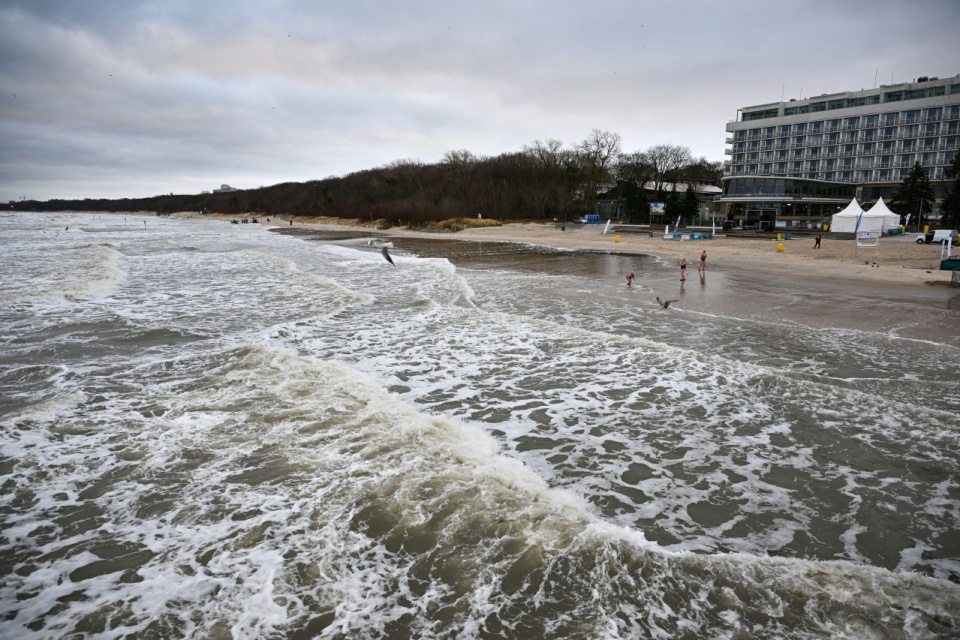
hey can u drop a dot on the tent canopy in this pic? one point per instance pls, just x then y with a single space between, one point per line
878 218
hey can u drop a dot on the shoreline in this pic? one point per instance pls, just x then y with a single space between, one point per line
896 261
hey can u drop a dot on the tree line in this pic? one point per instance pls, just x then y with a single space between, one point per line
545 180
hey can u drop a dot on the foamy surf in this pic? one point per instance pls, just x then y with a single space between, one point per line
255 436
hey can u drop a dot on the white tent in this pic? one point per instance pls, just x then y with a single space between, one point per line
878 218
846 220
879 211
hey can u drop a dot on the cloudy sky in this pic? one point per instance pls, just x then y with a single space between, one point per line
131 98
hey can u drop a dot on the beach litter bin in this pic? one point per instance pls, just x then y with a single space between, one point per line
779 236
696 236
653 234
788 235
779 247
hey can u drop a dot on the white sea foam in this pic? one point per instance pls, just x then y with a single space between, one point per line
260 435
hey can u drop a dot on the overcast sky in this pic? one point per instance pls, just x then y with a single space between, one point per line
128 98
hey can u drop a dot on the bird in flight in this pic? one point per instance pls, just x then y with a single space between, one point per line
664 303
384 245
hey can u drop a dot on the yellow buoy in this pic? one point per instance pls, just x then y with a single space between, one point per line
780 247
616 238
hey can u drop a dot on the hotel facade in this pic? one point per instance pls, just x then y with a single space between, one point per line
794 164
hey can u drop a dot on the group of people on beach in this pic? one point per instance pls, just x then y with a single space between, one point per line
702 268
683 269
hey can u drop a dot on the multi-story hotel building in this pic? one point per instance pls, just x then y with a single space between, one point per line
793 164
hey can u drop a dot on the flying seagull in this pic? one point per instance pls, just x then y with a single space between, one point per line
384 245
664 303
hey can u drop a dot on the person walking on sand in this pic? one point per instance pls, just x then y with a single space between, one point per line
703 261
816 241
630 279
683 269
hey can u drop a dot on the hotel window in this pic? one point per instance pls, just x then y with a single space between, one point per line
910 116
909 131
833 125
850 123
869 121
816 127
890 118
932 114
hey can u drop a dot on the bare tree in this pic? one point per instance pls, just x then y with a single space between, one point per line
459 159
701 171
666 160
549 154
596 155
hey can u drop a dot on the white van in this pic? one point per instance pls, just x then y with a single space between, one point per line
941 236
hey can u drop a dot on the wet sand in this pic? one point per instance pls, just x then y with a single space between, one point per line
898 260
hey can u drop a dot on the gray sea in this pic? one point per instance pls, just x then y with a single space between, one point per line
211 430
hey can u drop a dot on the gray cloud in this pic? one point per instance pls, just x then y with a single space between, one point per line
124 98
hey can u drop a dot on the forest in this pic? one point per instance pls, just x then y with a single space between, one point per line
546 180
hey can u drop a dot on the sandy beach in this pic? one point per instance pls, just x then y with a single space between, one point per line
897 259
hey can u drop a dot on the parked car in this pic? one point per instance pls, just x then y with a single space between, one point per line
940 236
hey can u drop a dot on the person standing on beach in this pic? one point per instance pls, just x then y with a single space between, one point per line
683 269
816 241
703 261
630 279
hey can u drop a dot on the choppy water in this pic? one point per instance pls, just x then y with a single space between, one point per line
213 431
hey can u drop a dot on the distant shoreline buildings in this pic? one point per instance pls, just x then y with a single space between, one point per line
794 163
